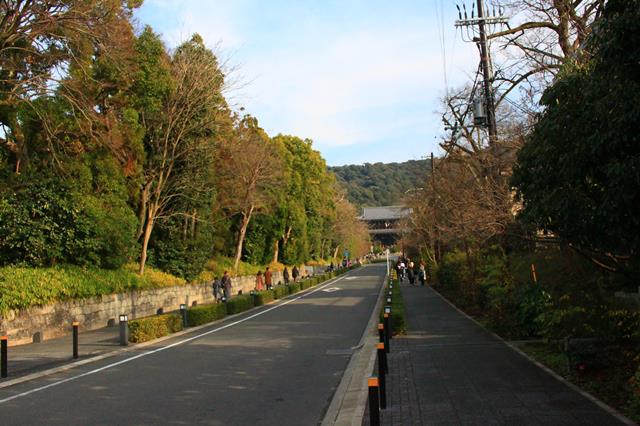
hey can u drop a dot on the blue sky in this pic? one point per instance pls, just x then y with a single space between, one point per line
362 79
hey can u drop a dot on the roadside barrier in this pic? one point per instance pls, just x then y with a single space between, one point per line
382 371
3 356
387 330
381 337
124 330
75 326
374 402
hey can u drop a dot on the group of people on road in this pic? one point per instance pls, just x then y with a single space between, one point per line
264 280
222 287
406 268
267 281
295 274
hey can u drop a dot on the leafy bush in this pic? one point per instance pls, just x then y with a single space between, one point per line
203 314
47 220
280 291
293 288
145 329
179 255
262 297
239 304
22 287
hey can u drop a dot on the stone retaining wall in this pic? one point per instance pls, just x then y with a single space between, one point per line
54 320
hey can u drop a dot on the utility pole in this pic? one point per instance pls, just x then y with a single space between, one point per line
483 19
487 73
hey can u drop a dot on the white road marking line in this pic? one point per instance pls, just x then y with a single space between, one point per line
331 289
178 343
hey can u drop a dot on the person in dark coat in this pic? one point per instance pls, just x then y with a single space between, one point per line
226 285
285 275
410 274
295 273
268 279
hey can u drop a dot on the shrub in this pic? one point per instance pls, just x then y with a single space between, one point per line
280 291
294 288
239 303
204 314
262 297
45 220
22 287
145 329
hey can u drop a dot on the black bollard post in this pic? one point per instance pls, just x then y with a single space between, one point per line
183 313
124 330
374 403
382 356
4 343
382 371
381 333
75 326
387 332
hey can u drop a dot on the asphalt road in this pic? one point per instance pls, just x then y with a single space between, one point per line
278 365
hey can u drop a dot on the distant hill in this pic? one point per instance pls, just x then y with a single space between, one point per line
381 184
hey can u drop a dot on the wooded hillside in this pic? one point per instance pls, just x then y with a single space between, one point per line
381 184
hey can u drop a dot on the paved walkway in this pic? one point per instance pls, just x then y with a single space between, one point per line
450 371
26 359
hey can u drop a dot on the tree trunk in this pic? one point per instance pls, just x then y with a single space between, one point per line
335 252
144 199
246 217
147 236
193 224
276 251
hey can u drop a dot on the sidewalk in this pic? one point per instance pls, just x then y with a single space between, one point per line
450 371
27 359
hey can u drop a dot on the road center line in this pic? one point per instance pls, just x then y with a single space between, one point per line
178 343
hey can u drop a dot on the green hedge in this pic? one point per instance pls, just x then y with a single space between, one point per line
294 288
262 297
239 304
149 328
204 314
280 291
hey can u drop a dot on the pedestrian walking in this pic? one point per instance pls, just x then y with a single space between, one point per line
259 282
268 279
410 273
295 273
422 274
285 276
217 289
226 285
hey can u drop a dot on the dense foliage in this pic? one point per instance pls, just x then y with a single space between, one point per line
381 184
578 174
116 150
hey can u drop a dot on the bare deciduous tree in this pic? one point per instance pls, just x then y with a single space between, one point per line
249 171
179 140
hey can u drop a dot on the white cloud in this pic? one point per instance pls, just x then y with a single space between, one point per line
325 91
338 81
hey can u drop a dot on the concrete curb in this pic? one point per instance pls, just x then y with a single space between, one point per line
612 411
72 365
350 398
